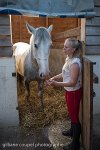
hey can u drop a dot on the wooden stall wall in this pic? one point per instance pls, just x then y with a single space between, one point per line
93 32
20 33
5 36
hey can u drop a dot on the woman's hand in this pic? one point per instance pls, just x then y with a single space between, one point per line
52 82
48 82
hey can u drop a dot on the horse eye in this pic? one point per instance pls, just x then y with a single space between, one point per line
35 45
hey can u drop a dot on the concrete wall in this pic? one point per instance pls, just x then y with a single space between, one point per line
9 116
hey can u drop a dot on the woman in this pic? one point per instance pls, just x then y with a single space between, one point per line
72 83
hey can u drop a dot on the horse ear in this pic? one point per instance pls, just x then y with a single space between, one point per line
50 28
30 28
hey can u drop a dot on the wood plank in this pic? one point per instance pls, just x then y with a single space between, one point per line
5 30
4 19
93 40
69 33
93 30
97 10
93 21
87 104
5 48
92 50
96 2
5 41
58 40
67 22
57 45
34 21
6 52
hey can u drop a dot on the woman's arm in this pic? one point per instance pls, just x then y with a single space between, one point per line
57 77
73 79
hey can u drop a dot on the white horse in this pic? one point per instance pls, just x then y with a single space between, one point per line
32 60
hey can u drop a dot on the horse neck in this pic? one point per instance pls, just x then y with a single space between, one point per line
32 52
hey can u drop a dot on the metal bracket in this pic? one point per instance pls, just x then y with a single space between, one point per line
13 74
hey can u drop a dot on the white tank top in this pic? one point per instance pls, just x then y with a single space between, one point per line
66 73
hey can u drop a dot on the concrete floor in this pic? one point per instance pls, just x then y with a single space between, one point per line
96 132
13 138
48 138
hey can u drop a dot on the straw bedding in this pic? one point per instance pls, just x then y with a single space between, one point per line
35 117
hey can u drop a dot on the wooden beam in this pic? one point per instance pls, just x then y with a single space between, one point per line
69 33
20 28
79 22
47 21
83 28
87 104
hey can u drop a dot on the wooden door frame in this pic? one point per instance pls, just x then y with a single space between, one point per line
87 105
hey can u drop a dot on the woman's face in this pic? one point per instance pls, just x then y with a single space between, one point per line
68 49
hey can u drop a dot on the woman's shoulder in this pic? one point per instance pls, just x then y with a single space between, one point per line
76 60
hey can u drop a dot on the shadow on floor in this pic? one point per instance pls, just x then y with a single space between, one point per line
13 138
96 142
47 138
96 132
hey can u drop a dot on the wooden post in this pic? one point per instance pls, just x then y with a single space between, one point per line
20 28
83 34
47 21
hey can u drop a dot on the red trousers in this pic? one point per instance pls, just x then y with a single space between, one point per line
73 103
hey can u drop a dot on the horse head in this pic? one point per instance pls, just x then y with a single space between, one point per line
41 42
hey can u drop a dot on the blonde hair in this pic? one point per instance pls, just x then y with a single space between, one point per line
77 45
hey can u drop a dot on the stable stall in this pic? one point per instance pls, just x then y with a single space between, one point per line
70 18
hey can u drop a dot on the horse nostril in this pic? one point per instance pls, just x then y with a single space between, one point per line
41 75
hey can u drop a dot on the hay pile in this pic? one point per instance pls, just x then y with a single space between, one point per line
54 103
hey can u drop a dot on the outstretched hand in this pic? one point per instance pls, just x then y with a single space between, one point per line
51 82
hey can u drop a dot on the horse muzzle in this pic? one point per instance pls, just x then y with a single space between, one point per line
45 76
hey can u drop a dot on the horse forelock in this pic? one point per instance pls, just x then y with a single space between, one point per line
42 35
